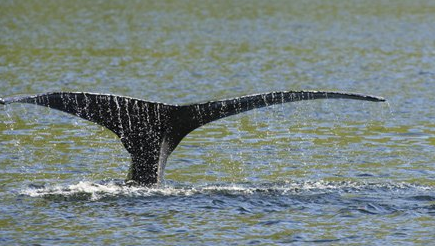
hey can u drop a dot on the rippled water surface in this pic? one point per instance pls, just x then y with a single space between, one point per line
326 172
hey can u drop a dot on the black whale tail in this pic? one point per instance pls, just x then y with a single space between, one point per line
150 131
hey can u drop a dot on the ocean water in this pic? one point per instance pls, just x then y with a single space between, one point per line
313 172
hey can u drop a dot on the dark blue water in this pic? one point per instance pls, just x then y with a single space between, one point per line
266 213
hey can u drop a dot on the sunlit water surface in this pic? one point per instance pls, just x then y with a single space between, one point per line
334 172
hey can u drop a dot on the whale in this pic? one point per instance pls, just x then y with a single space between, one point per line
150 131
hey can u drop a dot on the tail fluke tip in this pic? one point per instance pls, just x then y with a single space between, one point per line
379 99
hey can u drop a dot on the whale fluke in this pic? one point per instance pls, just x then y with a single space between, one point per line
150 131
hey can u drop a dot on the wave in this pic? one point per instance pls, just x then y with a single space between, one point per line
87 190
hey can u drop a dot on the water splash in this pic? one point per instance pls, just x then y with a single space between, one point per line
114 189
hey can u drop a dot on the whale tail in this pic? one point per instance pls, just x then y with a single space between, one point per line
150 131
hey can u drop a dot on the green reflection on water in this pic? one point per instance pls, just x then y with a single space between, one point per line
188 51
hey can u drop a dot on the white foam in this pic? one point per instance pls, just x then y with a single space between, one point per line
96 191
